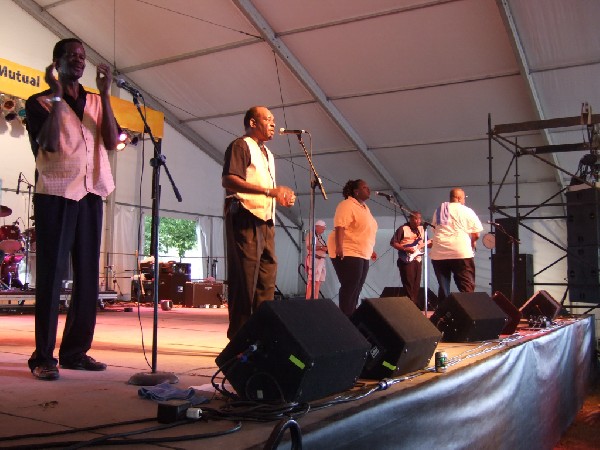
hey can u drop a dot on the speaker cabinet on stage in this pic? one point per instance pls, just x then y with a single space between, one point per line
502 276
541 304
469 316
136 293
514 315
296 349
394 291
203 294
583 217
503 244
583 251
583 273
402 339
171 286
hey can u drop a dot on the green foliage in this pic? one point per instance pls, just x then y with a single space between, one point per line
177 234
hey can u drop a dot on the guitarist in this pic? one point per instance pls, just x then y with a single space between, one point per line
408 240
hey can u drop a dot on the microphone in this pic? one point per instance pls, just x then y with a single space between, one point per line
383 194
283 131
128 87
19 183
494 224
428 224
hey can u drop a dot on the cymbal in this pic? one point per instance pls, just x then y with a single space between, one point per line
5 211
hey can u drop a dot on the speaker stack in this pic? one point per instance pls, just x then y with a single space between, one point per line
468 317
583 245
172 279
294 351
502 265
402 339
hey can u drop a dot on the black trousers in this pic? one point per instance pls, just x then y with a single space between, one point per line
251 264
410 275
351 272
463 271
66 227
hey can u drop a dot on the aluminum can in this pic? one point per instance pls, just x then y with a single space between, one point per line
441 361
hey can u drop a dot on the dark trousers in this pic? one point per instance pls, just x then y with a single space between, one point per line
66 227
251 264
410 275
463 271
352 273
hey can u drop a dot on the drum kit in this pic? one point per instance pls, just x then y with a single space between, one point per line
14 248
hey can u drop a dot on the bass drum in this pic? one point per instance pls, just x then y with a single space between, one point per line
9 270
11 240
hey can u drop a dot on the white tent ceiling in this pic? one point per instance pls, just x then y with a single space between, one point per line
396 92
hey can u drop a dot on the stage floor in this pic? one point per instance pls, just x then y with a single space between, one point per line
189 340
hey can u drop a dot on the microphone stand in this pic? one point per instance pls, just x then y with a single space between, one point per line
513 255
153 378
425 267
315 181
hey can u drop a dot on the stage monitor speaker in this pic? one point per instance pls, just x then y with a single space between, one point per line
294 351
402 339
541 304
514 315
394 291
469 316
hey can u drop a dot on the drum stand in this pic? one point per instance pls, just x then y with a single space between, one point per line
112 274
28 235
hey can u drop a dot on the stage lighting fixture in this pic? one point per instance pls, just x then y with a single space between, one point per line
127 138
123 140
9 105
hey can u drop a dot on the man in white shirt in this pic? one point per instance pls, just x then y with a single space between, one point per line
457 229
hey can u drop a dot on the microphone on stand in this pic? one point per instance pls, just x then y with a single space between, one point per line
128 87
283 131
19 183
383 194
428 224
494 224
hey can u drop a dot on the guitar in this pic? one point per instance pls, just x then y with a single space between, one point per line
406 257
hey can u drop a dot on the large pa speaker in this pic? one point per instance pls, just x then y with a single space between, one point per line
513 314
541 304
402 339
503 243
583 217
469 316
583 273
394 291
294 351
502 276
